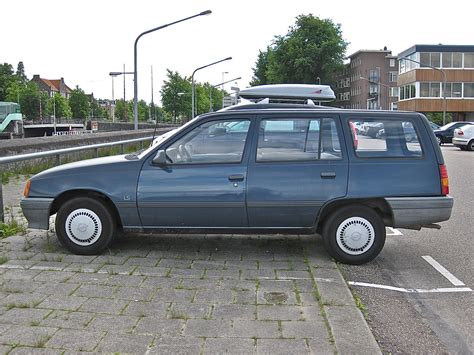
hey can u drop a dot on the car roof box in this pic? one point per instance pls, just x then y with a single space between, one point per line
289 92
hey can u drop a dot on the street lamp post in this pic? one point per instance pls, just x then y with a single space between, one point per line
222 85
135 84
113 74
193 94
445 103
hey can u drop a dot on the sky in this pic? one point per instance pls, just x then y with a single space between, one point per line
82 41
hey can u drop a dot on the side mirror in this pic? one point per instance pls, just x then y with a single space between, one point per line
160 158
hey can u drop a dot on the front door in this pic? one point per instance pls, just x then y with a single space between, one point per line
296 166
204 182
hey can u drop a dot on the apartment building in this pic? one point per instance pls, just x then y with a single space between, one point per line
423 72
369 81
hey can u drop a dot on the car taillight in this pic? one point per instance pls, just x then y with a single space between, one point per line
443 172
26 191
460 133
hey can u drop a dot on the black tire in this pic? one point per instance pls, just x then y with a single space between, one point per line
470 145
439 139
363 221
85 226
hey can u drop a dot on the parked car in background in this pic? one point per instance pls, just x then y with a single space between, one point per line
433 125
464 137
445 133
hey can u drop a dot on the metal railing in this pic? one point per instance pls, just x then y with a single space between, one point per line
58 152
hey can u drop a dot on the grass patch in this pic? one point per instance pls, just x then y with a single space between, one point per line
11 228
3 259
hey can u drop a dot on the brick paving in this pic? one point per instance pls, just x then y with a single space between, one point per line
175 294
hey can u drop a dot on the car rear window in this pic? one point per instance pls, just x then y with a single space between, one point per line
392 138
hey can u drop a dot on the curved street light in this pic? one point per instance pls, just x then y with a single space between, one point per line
193 94
135 84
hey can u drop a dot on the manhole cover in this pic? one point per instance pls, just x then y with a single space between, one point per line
275 297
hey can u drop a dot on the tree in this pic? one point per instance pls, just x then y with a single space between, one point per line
6 78
123 110
30 101
97 111
79 103
260 70
20 73
61 107
143 111
176 95
312 48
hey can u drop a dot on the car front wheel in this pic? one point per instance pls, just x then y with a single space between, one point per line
439 139
354 235
85 226
470 145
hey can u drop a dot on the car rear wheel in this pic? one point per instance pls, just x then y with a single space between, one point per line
470 145
85 226
354 234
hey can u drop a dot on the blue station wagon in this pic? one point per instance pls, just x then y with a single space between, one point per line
257 168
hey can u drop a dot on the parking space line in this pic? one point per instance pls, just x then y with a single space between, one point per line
411 290
453 279
394 231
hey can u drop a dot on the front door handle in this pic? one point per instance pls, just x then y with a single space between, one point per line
236 177
328 175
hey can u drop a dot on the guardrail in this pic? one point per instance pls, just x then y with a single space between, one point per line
58 152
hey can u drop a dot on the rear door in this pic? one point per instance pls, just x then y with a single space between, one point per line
297 163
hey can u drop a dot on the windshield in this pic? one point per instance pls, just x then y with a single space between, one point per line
447 126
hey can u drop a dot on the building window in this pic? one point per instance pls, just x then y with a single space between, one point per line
394 92
457 60
453 89
434 89
468 60
407 92
394 106
392 76
374 76
373 89
392 62
435 59
468 89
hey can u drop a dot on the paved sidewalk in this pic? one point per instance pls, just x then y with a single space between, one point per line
176 294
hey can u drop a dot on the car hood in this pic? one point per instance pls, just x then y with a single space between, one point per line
86 166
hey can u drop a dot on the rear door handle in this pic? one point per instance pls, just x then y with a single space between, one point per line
328 175
236 177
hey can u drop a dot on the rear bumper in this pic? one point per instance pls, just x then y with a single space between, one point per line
36 211
460 141
415 212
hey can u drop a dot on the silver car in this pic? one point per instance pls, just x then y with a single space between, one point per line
464 137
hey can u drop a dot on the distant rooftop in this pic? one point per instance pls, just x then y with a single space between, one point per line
360 51
436 48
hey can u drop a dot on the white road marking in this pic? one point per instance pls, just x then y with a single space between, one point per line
453 279
394 231
411 290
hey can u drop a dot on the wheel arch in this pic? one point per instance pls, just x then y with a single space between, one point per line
379 205
70 194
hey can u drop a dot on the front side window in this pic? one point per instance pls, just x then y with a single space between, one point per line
386 138
298 140
211 142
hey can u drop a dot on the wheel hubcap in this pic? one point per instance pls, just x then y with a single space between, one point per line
83 227
355 235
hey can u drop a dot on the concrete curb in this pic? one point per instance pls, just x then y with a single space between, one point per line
349 328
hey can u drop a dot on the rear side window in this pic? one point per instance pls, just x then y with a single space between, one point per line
298 140
385 138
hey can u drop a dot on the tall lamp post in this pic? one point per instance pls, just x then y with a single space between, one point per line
220 84
445 103
193 94
135 84
114 74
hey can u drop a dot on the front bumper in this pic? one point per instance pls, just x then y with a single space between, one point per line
416 212
36 211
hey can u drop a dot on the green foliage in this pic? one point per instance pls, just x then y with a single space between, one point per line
30 101
143 111
437 117
11 228
61 106
6 78
177 106
312 48
124 110
20 73
97 111
79 103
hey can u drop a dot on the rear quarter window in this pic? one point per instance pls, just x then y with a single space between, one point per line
386 138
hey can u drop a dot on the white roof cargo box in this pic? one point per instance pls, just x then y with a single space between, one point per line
289 92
